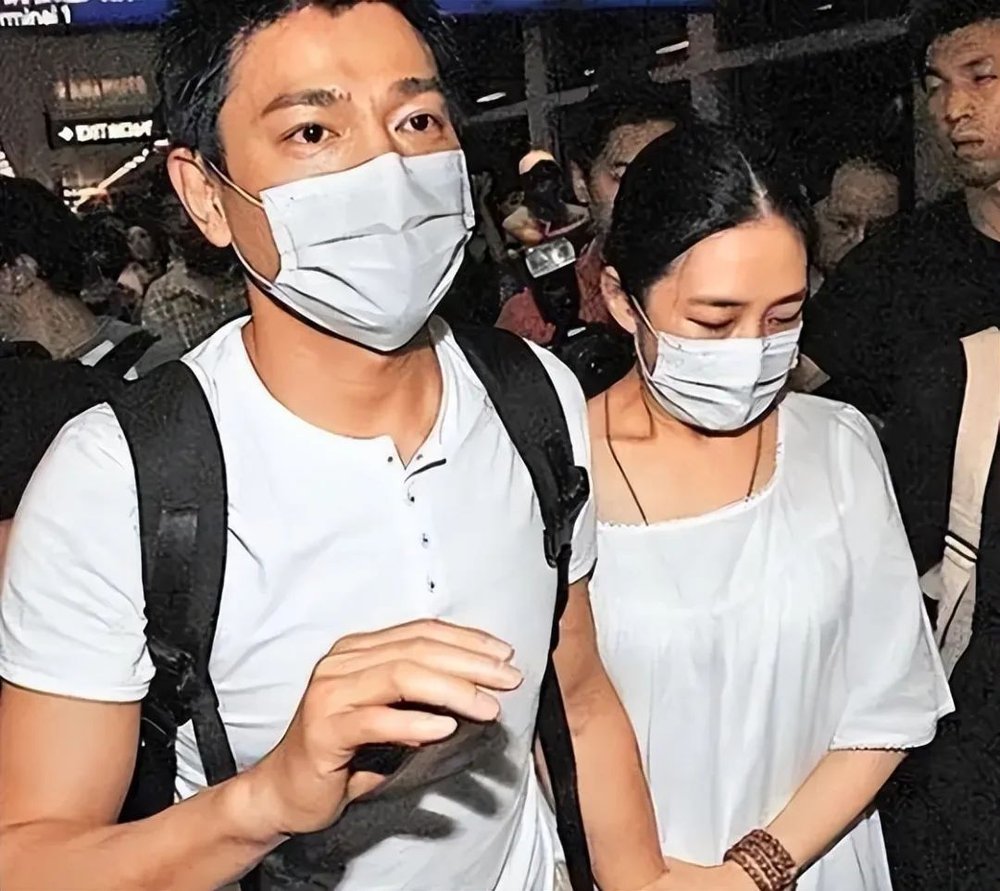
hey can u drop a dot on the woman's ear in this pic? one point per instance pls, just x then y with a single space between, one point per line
617 301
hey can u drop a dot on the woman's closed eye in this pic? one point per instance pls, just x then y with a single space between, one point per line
716 325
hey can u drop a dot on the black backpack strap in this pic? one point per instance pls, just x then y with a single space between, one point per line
181 485
126 353
529 408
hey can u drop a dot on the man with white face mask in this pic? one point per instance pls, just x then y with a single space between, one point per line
383 535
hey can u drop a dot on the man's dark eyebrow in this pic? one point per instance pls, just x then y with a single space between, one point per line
410 87
320 98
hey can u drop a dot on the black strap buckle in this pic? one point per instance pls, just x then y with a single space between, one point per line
574 490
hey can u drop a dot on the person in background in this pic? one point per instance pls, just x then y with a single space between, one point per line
106 247
755 599
148 252
863 196
940 812
607 130
201 289
42 270
930 276
357 440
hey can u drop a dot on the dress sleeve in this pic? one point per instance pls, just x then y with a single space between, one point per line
896 689
72 608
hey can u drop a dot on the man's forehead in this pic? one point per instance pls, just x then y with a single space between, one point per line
369 46
966 45
864 192
627 140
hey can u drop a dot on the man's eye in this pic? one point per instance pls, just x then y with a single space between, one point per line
985 78
313 134
422 123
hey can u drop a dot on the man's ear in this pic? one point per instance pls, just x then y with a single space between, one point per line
579 183
199 193
617 301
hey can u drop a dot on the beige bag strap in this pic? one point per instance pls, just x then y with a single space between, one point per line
952 581
976 444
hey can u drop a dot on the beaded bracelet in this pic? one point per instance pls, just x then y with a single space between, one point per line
764 859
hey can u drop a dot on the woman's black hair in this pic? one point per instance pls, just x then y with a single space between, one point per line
686 185
201 38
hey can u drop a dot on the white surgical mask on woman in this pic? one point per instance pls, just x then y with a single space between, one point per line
368 253
719 384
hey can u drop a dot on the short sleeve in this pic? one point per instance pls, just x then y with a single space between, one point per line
71 608
575 408
896 689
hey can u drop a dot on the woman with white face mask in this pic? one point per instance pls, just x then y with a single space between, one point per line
755 599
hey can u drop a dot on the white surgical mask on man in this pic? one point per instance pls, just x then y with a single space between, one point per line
719 384
368 253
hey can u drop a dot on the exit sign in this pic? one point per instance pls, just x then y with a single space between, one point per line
105 131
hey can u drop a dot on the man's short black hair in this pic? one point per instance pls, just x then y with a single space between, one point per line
201 37
932 19
616 104
36 223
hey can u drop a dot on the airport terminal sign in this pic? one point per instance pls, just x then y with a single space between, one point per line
80 13
110 13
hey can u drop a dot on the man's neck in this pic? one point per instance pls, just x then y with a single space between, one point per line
341 387
984 210
59 322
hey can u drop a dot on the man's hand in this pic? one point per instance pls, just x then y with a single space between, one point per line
305 782
681 876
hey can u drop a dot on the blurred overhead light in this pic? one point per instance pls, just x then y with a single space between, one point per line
673 48
490 97
824 7
589 72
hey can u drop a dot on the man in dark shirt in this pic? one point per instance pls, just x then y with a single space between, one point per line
933 275
940 813
607 131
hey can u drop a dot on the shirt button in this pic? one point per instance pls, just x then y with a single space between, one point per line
425 540
390 460
431 586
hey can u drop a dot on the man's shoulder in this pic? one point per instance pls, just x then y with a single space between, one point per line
563 380
91 441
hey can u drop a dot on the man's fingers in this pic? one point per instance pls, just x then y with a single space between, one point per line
382 724
430 629
411 682
486 671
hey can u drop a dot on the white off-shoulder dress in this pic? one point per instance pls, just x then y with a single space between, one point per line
749 642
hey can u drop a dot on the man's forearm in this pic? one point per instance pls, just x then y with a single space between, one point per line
199 845
837 792
614 794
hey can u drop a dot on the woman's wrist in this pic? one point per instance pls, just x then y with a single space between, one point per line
736 879
764 860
